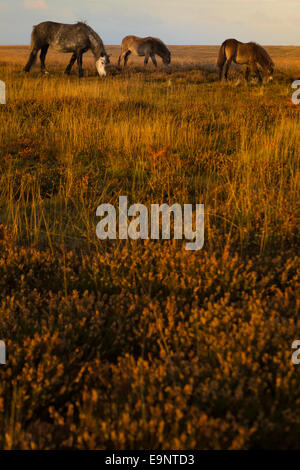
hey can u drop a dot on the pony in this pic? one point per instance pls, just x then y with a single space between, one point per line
144 47
73 38
250 54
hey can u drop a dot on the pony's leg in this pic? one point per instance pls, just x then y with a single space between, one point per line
247 74
147 56
32 59
259 76
255 70
71 63
126 57
119 61
122 55
43 54
221 72
227 67
79 62
153 59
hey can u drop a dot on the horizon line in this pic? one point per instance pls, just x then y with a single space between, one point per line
170 45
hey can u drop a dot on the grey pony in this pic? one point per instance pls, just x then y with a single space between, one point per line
70 38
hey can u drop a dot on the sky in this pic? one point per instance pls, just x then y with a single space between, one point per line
175 22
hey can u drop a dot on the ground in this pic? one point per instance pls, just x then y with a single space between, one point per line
144 345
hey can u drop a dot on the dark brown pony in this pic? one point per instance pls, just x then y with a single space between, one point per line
250 54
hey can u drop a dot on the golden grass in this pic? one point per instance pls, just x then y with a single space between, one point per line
144 345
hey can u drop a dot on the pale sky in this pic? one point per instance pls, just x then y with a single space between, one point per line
175 22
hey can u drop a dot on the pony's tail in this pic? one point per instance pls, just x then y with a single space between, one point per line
33 52
221 57
33 37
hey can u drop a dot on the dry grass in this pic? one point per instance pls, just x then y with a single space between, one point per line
144 345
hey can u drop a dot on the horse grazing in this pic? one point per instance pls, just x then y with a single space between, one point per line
144 47
76 38
250 54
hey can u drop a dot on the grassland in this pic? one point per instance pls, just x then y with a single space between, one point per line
134 345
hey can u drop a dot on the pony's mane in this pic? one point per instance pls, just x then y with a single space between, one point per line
94 37
262 55
159 44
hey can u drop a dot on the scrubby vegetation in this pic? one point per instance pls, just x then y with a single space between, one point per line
132 345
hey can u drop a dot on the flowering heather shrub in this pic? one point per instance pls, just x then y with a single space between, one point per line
150 347
130 345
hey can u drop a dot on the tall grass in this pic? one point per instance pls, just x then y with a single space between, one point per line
74 144
132 345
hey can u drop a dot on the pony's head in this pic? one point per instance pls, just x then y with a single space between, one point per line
270 69
167 58
101 64
265 61
161 49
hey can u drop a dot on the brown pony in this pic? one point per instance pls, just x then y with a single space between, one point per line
144 47
250 54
